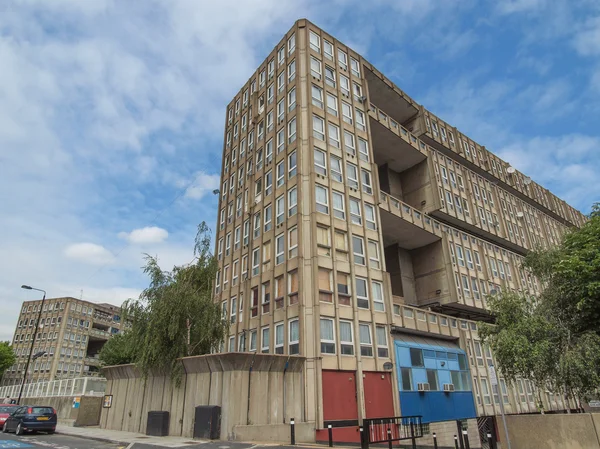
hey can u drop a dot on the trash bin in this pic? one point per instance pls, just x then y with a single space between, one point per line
158 424
207 422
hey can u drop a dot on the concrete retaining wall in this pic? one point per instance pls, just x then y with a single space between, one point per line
88 413
305 433
251 389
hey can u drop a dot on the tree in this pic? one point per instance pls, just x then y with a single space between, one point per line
119 350
554 339
7 357
175 316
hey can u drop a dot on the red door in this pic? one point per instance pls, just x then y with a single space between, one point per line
379 399
339 395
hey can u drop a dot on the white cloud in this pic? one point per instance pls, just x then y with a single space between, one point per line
587 37
518 6
89 253
149 234
202 185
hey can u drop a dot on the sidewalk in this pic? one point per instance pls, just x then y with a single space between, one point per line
126 438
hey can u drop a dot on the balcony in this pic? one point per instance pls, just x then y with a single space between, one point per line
394 145
104 335
388 97
405 226
92 361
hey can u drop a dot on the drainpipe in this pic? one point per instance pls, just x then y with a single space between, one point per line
284 370
249 378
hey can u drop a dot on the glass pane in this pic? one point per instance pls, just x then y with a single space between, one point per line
416 357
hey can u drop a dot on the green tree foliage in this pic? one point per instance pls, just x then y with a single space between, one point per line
554 339
175 316
7 357
119 350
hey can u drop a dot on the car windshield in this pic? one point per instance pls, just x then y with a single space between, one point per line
7 409
41 410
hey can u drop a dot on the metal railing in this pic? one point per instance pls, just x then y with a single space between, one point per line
79 386
386 430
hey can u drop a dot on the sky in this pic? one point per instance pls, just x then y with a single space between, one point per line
112 114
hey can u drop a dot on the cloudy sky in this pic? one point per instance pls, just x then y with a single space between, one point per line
112 112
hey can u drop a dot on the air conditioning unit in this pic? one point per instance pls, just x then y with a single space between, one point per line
448 387
424 386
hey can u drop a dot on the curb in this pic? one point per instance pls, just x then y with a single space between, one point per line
87 437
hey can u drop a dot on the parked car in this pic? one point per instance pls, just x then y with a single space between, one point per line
31 418
5 411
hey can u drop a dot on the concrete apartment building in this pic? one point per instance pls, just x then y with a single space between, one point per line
72 332
362 232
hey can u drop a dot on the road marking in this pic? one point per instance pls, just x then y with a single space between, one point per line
9 444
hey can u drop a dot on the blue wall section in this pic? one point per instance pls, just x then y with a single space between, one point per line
434 405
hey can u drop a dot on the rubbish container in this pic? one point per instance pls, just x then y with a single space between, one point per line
207 422
158 424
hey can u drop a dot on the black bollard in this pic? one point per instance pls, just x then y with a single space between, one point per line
491 441
435 446
466 439
364 442
412 435
389 435
455 442
330 430
293 431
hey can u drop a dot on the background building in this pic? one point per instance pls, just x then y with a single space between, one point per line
71 331
357 229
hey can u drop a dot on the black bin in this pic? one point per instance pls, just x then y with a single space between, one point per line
207 422
158 424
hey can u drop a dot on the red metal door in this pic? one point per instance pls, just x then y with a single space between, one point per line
379 395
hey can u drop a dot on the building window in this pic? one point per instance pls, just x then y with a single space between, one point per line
355 67
332 105
279 211
486 392
232 343
343 288
292 202
255 261
315 68
280 170
292 130
366 343
266 297
294 337
358 249
317 96
360 120
370 217
366 182
320 162
362 294
416 358
336 168
346 338
347 115
264 341
291 70
293 243
406 376
253 340
279 338
327 336
338 205
374 254
268 218
318 128
334 135
378 296
330 76
382 341
328 49
352 175
279 249
355 213
292 161
322 199
325 290
293 287
432 379
349 144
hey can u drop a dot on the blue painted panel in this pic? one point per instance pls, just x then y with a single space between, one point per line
444 378
436 406
431 363
419 376
403 355
442 364
452 365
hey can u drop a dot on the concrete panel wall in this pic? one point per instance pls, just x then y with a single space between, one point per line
88 413
575 431
305 433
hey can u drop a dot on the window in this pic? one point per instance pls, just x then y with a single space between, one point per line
292 161
279 249
352 174
366 181
322 199
360 120
378 296
478 353
280 111
315 67
354 67
320 162
343 60
465 286
358 250
292 201
343 287
349 143
355 213
293 286
233 309
264 340
469 258
432 379
374 254
279 338
279 213
317 96
330 76
363 150
346 338
370 217
269 183
232 343
291 71
246 231
336 168
255 261
347 113
291 43
328 50
266 297
334 135
486 392
327 336
406 376
460 256
318 128
228 244
294 337
358 92
366 343
332 104
345 85
416 357
293 243
325 289
338 205
292 130
257 225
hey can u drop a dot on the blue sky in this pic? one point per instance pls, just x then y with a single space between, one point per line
112 113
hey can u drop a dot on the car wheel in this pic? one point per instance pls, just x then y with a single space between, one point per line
5 428
19 430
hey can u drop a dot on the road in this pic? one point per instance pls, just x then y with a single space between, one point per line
11 441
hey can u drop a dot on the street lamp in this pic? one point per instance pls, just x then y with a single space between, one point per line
35 332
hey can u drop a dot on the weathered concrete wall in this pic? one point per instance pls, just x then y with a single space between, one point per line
575 431
305 433
250 389
88 413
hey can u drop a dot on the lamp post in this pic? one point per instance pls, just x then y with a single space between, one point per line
35 332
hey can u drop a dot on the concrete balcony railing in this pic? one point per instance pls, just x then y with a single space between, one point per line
99 333
410 214
92 361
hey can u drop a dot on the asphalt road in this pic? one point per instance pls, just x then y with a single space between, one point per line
11 441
